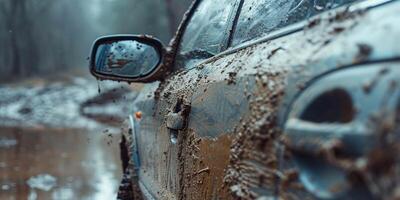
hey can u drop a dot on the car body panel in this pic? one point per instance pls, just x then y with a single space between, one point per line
345 123
241 99
159 158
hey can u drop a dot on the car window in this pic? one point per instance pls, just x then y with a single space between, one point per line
206 32
260 17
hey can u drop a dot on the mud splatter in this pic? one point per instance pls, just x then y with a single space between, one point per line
232 78
367 87
364 51
253 168
205 163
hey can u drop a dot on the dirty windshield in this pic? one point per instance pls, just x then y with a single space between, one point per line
258 18
206 33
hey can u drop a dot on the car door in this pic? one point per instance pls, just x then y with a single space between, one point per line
212 130
161 134
233 125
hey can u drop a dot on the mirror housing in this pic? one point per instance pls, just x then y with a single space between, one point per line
129 58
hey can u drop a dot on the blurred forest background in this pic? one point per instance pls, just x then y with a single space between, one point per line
40 37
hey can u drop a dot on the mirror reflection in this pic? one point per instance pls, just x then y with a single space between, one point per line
126 58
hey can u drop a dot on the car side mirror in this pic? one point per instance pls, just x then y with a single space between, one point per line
129 58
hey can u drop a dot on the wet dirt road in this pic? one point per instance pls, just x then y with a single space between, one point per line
58 164
61 140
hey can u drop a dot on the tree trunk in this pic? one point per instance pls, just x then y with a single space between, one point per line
13 27
171 14
30 50
16 58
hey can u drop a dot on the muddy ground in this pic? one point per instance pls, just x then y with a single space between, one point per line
60 139
58 164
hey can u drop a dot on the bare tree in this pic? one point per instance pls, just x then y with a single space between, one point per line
175 10
172 16
9 13
17 16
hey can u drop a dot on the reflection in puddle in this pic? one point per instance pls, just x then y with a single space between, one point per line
43 182
53 144
59 164
103 182
32 195
7 186
63 193
7 143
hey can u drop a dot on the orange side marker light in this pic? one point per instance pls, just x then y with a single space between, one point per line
138 115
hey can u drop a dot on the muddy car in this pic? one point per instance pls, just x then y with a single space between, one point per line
262 99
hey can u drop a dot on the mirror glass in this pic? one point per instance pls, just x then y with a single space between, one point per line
126 58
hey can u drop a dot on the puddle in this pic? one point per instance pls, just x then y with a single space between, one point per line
43 182
59 164
61 105
7 143
7 186
53 143
63 193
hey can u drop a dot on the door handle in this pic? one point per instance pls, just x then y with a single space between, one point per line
176 119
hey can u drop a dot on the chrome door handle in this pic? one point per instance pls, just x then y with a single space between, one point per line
175 121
